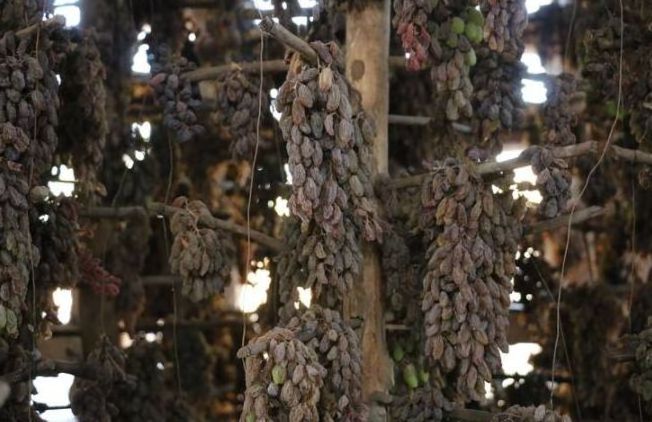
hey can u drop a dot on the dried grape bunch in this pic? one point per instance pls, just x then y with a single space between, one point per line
178 96
498 102
17 254
201 256
423 404
505 21
197 362
442 35
641 380
93 273
284 386
558 115
327 136
645 178
237 103
338 348
55 235
529 414
83 111
553 180
17 407
401 279
16 13
327 265
470 261
89 397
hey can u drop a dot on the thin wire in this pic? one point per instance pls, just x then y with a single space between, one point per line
586 184
253 176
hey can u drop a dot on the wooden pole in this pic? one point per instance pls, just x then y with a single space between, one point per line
367 56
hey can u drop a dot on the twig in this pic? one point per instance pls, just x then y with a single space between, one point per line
206 73
55 21
562 220
156 208
51 368
285 37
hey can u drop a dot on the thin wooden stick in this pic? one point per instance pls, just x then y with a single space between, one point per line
287 38
562 221
55 21
155 208
207 73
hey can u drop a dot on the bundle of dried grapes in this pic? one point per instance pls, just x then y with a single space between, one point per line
442 35
553 176
89 397
641 380
401 279
238 103
497 76
93 274
201 256
338 348
530 414
16 13
17 254
284 386
197 362
421 404
83 111
178 96
327 136
470 262
54 232
17 407
325 264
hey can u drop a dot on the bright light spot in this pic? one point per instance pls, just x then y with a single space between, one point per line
275 113
288 175
44 218
257 21
533 62
159 366
129 162
62 298
254 292
64 2
140 155
284 5
65 183
192 37
144 129
281 207
515 296
307 4
141 35
140 63
71 13
305 296
533 6
534 92
489 391
507 382
66 174
58 78
517 360
151 337
125 341
263 5
53 391
147 28
529 296
300 20
273 93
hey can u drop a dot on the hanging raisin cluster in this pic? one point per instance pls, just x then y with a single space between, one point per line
470 261
201 256
497 76
420 405
286 384
401 279
442 35
237 104
17 407
89 397
83 111
197 361
93 274
338 348
641 380
553 176
529 414
178 96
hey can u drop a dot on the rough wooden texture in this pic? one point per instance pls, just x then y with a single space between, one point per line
367 56
287 38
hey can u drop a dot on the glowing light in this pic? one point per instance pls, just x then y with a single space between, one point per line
140 63
147 28
533 6
254 293
44 218
281 207
533 62
300 20
273 93
152 337
71 13
257 21
515 296
125 341
534 92
284 5
305 296
141 35
159 366
139 155
263 5
192 37
275 113
129 162
288 175
307 4
517 360
65 184
62 298
523 174
489 391
53 391
144 129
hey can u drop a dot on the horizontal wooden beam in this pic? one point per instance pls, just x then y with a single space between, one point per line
287 38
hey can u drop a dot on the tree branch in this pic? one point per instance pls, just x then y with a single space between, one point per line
285 37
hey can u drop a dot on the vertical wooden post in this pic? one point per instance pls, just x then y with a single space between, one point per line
367 56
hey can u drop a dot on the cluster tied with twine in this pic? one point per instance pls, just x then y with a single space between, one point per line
201 256
473 239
